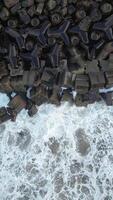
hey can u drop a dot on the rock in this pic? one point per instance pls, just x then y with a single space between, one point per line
5 85
82 83
17 103
82 143
32 111
27 3
3 69
51 4
10 3
4 14
4 116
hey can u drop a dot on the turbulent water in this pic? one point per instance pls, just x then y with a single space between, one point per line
62 153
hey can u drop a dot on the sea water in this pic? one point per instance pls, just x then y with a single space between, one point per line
62 153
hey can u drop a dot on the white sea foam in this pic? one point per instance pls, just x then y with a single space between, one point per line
105 90
3 100
62 153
